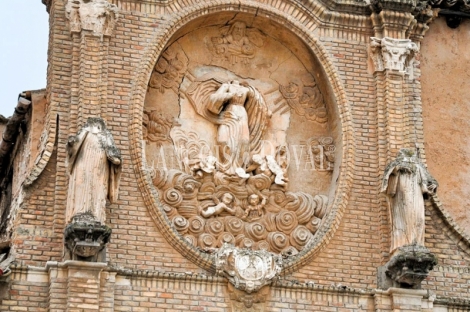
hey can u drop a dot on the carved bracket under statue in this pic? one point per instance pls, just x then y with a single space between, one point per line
410 266
407 183
85 238
97 16
247 270
395 55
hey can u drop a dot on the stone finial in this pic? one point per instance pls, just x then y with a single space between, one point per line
395 55
248 270
97 16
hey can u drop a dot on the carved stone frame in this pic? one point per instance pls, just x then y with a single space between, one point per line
150 194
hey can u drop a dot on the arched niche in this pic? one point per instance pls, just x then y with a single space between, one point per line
286 195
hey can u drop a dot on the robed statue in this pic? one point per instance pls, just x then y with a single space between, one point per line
407 183
241 115
94 165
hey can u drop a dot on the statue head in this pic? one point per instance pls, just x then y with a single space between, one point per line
227 198
238 30
253 199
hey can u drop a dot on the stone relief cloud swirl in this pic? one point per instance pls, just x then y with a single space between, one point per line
286 221
277 241
300 237
234 225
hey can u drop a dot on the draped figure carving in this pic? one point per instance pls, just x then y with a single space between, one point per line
241 114
94 164
406 183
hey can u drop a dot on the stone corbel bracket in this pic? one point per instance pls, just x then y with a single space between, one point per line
247 270
85 237
410 266
97 16
393 55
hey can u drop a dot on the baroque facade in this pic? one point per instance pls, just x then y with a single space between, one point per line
275 155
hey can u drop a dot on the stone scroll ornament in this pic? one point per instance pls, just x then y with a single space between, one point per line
407 183
94 165
239 194
97 16
246 269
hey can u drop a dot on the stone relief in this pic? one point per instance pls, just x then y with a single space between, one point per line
169 70
407 183
98 16
247 270
240 114
238 156
236 193
304 101
94 165
156 127
237 43
393 54
322 152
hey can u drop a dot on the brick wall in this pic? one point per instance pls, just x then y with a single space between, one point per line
348 259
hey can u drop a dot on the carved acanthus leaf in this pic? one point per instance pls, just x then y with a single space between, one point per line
394 55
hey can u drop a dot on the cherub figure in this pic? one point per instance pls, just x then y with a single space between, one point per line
267 166
258 166
276 170
225 204
205 165
255 207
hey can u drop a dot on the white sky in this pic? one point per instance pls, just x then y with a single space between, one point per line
24 31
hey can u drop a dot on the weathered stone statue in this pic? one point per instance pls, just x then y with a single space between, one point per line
94 164
406 183
240 113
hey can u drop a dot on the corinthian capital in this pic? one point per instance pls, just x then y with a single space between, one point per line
97 16
395 55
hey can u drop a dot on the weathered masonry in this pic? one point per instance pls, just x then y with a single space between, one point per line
221 155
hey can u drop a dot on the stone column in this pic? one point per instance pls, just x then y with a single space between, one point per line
91 26
398 29
82 286
393 62
401 300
